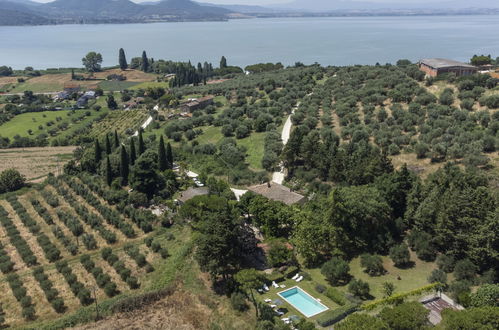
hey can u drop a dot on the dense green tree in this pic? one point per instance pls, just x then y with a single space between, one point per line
483 318
372 264
5 71
144 176
142 146
111 102
162 159
97 152
223 63
250 280
116 140
169 155
109 150
465 270
133 153
279 254
275 219
124 166
336 271
11 180
92 62
406 316
109 172
122 60
361 322
400 255
145 62
486 295
359 288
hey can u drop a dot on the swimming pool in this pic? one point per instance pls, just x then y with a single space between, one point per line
303 302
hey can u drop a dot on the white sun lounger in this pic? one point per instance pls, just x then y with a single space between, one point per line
296 276
282 286
273 306
275 285
268 300
279 313
299 279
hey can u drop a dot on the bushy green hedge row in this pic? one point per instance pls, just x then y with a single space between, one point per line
331 317
399 297
335 296
78 289
126 274
6 264
20 293
103 280
52 253
17 240
111 216
51 293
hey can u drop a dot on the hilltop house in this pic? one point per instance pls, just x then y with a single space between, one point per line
196 104
83 100
436 66
278 193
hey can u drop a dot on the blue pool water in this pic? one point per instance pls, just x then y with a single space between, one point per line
303 302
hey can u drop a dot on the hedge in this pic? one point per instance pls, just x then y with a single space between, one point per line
331 317
336 296
398 297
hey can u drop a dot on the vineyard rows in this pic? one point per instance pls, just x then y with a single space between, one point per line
43 232
120 121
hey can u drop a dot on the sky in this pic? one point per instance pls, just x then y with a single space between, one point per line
269 2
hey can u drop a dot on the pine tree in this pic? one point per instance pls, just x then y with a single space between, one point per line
223 63
162 160
109 172
142 147
122 60
108 145
73 74
133 153
169 155
98 152
145 62
124 166
116 140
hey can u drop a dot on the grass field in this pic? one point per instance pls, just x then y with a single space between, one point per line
35 163
255 148
117 85
151 84
19 125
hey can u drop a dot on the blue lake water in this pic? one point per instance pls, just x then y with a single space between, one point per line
329 41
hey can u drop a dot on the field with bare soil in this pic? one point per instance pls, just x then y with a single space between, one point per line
35 163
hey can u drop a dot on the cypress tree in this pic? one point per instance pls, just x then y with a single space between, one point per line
133 153
145 62
98 152
108 145
116 140
162 160
124 166
122 60
142 147
223 63
169 155
109 172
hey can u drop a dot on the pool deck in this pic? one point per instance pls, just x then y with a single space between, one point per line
311 297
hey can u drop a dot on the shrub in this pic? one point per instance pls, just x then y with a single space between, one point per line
320 288
465 270
486 295
373 264
110 289
409 316
336 296
238 301
331 317
336 271
446 263
11 180
359 288
400 255
58 305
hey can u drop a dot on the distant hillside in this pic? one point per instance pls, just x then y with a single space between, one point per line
184 8
18 13
94 8
331 5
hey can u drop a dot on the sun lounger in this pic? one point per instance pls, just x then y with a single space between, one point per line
268 300
265 287
299 279
275 285
273 306
260 290
296 276
282 286
279 313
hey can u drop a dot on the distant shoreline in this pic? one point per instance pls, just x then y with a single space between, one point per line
490 12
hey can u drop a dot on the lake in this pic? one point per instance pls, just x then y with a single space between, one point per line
329 41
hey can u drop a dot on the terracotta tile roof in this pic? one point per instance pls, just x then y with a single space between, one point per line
279 193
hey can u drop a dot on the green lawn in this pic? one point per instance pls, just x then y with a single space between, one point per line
37 87
151 84
410 279
117 85
254 145
19 125
211 134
